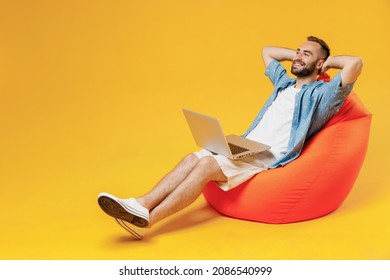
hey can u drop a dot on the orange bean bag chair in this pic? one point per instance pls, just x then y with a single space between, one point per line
314 184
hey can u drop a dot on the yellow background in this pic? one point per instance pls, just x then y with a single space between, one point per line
88 87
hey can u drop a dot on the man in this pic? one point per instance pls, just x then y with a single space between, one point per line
295 111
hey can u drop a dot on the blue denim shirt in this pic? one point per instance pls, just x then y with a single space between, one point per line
315 104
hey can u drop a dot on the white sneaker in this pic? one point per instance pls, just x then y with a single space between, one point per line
135 231
124 209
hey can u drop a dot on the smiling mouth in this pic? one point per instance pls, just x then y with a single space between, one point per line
298 64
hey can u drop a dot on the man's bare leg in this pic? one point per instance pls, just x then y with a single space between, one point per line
175 191
168 183
187 191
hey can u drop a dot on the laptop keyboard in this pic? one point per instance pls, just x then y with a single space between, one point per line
236 149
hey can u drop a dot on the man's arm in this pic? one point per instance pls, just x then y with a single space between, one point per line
278 53
351 67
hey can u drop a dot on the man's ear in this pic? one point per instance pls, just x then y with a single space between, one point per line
320 63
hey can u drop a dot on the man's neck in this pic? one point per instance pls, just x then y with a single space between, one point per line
305 80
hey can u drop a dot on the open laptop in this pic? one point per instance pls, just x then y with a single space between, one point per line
208 134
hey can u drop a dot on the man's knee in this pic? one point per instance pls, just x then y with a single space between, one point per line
210 166
211 169
189 160
206 162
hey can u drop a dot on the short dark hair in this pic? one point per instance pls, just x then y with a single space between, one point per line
324 46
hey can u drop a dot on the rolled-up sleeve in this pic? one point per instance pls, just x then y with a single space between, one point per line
276 72
336 87
334 94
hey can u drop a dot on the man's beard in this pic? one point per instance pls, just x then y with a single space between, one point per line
305 70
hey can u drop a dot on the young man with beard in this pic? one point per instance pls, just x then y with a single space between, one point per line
296 110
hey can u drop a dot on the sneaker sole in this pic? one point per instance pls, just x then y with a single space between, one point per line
119 210
130 230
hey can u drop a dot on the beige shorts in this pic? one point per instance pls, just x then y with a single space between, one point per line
239 171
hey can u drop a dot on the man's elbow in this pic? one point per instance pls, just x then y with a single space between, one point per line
267 58
357 64
352 70
265 52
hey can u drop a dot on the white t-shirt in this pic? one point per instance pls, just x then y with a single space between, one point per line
275 126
